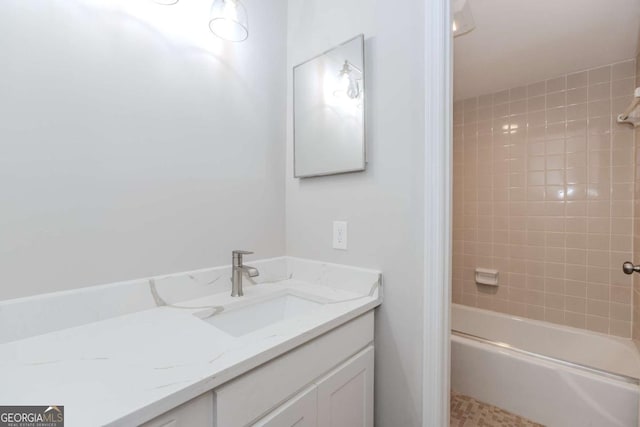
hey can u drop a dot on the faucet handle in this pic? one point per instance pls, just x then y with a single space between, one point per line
239 252
237 256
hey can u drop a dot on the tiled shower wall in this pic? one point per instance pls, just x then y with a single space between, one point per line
543 192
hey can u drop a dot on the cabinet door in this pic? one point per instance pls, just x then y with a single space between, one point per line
345 395
196 413
249 397
301 411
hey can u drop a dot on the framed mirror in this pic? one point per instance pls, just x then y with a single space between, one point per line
329 112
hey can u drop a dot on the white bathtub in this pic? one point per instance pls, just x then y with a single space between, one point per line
554 375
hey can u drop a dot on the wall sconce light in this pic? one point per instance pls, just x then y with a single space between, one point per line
228 20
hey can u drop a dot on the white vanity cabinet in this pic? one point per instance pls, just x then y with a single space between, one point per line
301 411
326 382
343 398
196 412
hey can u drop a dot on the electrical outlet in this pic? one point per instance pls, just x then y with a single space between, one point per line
340 235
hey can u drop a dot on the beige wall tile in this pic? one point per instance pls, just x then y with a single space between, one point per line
575 320
624 69
599 75
544 184
577 79
620 328
635 293
557 84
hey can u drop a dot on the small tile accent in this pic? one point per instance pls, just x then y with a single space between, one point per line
468 412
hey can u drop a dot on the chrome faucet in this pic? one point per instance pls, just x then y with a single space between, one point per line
237 270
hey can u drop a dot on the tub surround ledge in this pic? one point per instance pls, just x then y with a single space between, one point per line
572 377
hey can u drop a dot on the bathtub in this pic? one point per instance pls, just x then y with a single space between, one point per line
551 374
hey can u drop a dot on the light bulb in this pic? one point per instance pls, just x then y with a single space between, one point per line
347 84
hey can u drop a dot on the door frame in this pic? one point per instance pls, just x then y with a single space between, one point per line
438 212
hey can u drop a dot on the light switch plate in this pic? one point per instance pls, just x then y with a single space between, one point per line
340 235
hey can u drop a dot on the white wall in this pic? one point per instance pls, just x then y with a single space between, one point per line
384 205
134 143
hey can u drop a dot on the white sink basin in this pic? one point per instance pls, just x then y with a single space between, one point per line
249 318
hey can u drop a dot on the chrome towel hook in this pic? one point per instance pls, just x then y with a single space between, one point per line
629 268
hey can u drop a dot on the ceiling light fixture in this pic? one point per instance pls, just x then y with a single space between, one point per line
166 2
228 20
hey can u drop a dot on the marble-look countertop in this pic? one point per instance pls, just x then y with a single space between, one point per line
126 370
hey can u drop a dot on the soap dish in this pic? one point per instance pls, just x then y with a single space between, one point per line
487 276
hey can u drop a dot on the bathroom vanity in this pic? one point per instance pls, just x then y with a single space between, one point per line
327 381
296 349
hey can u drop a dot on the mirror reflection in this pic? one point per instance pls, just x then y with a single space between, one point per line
329 136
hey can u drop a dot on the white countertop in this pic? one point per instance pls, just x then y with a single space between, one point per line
129 369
